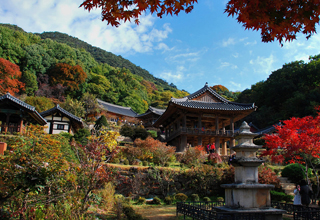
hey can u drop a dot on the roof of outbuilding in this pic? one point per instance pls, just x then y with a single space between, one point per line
65 112
127 111
203 90
31 109
154 110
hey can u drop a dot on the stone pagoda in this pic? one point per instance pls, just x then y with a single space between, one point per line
246 194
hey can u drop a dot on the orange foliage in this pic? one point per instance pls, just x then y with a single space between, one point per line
219 88
9 77
66 75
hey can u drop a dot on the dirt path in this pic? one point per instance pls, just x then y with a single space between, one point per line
157 212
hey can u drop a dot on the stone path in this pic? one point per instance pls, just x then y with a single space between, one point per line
287 186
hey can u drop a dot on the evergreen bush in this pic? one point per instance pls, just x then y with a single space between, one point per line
195 197
206 199
145 163
295 172
116 161
280 196
168 200
126 162
141 200
156 201
181 197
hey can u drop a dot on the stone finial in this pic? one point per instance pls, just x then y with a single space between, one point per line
244 127
206 84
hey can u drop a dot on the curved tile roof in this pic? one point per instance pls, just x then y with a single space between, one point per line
215 105
127 111
223 105
203 90
154 110
68 114
31 108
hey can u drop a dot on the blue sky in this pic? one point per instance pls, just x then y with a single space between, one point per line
187 50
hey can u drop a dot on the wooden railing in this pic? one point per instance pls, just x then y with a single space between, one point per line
207 210
202 132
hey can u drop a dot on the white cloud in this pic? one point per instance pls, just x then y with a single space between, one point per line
227 65
184 57
65 16
230 41
250 43
263 64
174 77
235 86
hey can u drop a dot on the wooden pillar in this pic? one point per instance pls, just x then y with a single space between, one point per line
184 120
232 141
223 128
224 148
21 125
7 123
199 122
217 125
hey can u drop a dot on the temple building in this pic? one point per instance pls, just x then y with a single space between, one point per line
59 120
150 116
115 113
14 114
202 118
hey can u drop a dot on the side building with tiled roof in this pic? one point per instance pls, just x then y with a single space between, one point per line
14 114
59 120
116 113
201 118
150 116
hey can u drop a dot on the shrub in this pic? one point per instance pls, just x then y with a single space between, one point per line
195 197
130 213
267 176
280 196
116 161
206 199
181 197
140 132
82 136
153 133
102 121
127 131
126 162
294 172
145 163
156 201
220 199
194 156
141 200
168 200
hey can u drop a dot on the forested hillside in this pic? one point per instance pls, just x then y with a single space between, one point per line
103 56
291 91
56 70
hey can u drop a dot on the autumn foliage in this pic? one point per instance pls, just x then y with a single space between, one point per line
67 75
277 20
114 11
9 77
296 140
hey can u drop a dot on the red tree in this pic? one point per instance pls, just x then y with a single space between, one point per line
297 140
9 77
67 75
280 20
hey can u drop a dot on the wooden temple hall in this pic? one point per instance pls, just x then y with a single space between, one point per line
202 118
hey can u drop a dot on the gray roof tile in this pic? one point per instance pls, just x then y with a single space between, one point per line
127 111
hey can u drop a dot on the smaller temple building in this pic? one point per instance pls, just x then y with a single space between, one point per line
201 118
60 120
14 114
150 116
115 113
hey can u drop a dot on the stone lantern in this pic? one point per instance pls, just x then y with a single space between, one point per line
246 194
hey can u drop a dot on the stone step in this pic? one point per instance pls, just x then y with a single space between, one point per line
290 186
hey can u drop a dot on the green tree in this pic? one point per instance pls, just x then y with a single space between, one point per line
74 107
41 103
30 81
